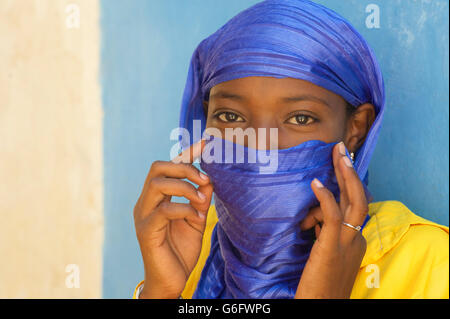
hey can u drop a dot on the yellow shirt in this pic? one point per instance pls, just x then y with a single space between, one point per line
406 257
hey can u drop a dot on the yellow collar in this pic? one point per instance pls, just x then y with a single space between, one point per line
389 221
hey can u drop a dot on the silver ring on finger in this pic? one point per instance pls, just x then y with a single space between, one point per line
357 228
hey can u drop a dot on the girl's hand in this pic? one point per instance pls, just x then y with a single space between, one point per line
337 254
170 234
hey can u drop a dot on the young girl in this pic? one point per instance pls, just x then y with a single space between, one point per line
307 229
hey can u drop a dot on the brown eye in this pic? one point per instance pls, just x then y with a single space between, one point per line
229 117
301 119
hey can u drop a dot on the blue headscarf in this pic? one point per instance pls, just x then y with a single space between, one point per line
282 38
288 38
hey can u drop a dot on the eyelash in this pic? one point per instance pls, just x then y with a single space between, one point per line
308 117
227 113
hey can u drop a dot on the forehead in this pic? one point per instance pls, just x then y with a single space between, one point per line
262 87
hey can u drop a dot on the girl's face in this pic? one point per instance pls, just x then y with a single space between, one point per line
300 110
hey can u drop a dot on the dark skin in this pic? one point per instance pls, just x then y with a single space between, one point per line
264 102
170 234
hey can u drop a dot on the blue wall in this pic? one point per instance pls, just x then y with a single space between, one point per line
146 48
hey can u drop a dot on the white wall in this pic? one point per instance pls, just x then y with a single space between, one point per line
51 193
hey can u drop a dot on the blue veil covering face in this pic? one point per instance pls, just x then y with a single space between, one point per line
277 38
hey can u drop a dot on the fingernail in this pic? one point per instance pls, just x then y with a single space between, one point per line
201 215
201 195
341 148
347 161
203 176
317 183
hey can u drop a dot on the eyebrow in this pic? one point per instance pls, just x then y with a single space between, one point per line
288 99
226 95
304 97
